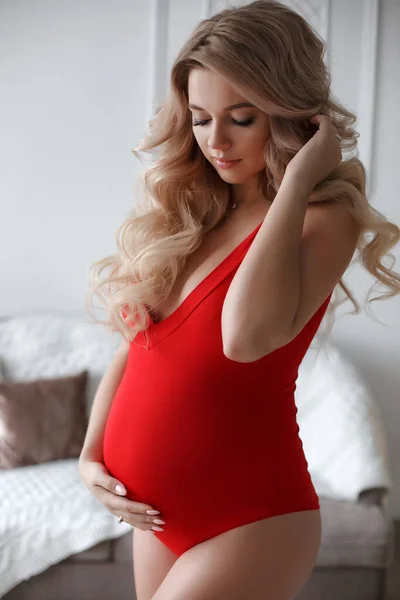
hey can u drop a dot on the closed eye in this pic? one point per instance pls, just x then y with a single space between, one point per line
240 123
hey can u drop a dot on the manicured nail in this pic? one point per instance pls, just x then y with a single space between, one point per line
158 521
153 512
155 528
120 490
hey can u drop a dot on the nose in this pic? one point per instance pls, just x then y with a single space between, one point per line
217 139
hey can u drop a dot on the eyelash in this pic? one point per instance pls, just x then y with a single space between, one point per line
241 123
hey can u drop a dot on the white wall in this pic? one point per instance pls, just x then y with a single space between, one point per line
72 103
76 84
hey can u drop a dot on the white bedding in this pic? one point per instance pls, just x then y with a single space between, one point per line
46 515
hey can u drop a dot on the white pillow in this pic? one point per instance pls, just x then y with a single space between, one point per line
341 427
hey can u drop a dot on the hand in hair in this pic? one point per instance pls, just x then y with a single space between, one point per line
318 157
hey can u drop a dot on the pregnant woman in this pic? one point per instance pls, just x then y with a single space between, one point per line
250 219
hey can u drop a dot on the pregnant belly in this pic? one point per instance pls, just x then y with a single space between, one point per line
203 453
151 449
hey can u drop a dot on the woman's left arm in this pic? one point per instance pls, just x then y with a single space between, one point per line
299 254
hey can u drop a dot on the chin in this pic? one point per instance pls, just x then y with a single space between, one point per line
233 178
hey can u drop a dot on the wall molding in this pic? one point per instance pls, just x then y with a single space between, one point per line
366 110
158 46
205 9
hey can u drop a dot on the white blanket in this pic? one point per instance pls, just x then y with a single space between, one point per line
46 515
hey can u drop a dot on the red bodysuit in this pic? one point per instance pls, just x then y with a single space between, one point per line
211 443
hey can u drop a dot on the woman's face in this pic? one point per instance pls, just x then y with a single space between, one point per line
236 134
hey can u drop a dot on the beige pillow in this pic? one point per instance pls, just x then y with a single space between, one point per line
42 420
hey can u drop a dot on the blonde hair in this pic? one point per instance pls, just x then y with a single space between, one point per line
185 198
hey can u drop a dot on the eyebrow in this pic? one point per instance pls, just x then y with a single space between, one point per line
231 107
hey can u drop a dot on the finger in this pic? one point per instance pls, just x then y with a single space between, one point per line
133 517
325 126
102 478
323 121
316 119
133 513
111 484
116 487
139 521
136 508
320 118
146 519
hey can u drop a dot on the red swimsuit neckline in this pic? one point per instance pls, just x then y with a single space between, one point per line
158 330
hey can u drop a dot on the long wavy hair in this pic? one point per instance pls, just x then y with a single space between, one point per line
184 197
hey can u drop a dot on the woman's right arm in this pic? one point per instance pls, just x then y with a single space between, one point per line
93 445
92 470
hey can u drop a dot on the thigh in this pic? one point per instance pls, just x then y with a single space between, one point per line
272 558
151 562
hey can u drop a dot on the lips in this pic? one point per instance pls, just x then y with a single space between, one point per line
225 160
226 164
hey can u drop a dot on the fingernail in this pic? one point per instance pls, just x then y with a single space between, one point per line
155 528
158 521
153 512
119 489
